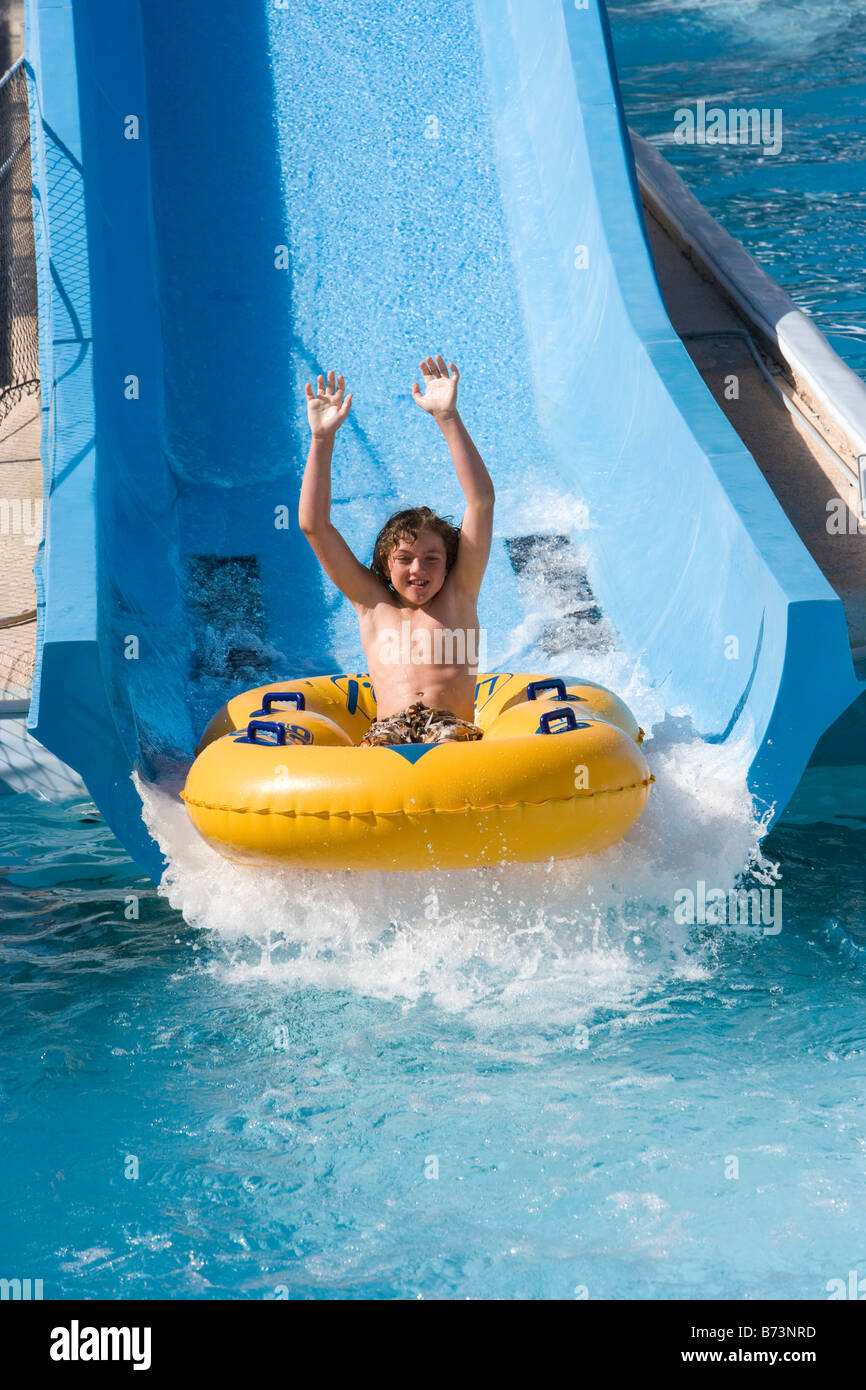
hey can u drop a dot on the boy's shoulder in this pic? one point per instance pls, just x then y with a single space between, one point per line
381 603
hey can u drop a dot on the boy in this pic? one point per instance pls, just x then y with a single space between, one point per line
416 604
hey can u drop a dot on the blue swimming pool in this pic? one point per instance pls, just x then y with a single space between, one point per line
801 212
533 1083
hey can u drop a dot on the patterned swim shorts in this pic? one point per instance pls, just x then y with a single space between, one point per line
420 724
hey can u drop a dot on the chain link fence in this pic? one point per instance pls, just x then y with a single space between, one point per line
19 339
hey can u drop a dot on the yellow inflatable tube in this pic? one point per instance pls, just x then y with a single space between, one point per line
278 778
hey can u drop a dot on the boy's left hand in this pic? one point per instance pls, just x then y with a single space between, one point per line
440 399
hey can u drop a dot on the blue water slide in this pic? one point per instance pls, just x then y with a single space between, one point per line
229 199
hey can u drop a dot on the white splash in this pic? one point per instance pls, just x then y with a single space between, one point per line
556 941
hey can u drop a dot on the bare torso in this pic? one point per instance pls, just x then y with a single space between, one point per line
428 654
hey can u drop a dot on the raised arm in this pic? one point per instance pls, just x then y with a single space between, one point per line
326 412
476 531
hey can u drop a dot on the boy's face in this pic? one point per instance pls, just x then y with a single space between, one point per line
416 567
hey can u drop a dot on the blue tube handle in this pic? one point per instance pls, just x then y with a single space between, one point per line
266 726
284 696
567 714
534 689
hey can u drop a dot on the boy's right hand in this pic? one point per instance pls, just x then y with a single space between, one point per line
326 410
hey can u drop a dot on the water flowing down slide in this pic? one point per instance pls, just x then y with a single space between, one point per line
230 199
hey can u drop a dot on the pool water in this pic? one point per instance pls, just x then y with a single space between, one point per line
532 1082
801 212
